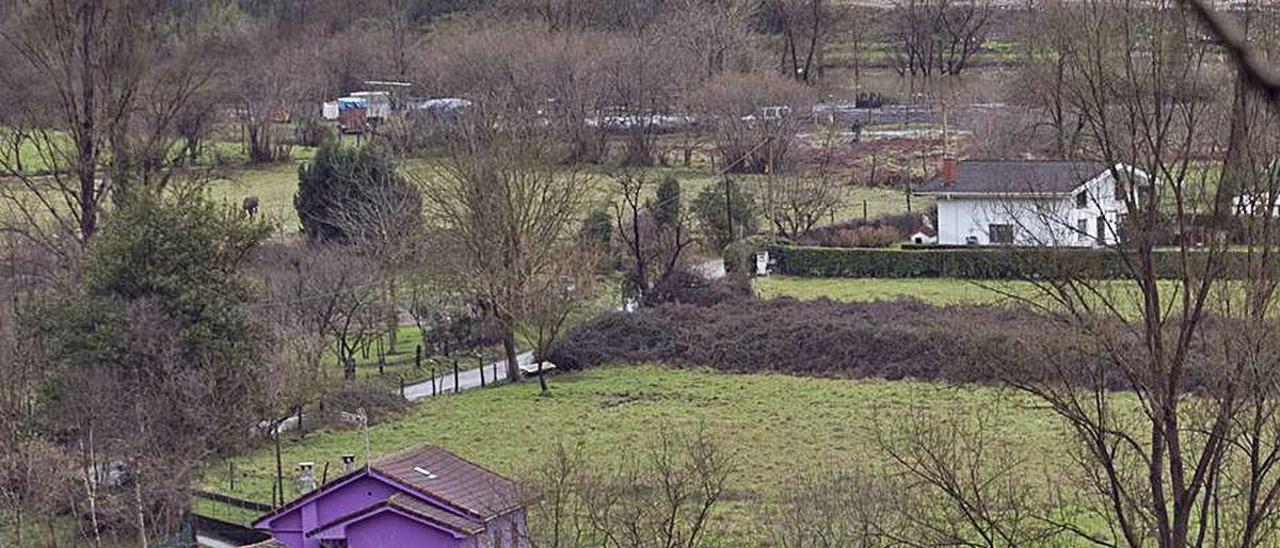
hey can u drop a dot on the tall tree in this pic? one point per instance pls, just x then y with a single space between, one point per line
503 212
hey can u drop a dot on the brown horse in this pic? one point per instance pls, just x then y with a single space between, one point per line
250 206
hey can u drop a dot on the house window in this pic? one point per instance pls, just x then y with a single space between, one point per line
1000 234
1082 199
1082 228
1119 190
1102 229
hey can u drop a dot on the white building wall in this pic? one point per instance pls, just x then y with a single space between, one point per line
1046 221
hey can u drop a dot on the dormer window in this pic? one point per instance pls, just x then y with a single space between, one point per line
1082 199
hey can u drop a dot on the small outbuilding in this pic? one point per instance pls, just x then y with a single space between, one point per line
422 497
925 236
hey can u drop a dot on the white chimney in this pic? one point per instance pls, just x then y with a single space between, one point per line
306 477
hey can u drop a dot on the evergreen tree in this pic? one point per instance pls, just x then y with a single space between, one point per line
343 177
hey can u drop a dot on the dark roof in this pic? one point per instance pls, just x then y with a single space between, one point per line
414 507
269 543
454 481
1015 176
459 484
436 515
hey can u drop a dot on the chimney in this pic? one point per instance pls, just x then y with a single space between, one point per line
348 463
948 170
306 477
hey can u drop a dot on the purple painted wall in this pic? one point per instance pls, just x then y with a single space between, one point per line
392 529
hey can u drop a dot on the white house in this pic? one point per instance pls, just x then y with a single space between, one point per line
1022 202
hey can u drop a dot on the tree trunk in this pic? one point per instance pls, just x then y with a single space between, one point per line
142 516
86 144
279 488
542 379
509 347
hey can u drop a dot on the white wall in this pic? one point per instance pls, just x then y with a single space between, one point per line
1049 221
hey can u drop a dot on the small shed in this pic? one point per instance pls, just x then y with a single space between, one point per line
925 236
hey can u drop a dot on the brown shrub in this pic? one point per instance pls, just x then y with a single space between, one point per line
866 236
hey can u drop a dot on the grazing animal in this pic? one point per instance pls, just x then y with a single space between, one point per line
251 206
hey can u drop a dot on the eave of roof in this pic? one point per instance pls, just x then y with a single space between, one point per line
411 508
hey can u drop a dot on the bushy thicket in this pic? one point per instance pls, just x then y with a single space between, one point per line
713 212
345 186
892 340
888 339
862 233
980 263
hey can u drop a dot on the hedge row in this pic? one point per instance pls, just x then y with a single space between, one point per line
886 339
979 263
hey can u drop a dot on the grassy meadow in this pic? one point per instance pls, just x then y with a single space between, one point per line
776 425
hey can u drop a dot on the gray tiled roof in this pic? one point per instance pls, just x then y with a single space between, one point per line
1015 176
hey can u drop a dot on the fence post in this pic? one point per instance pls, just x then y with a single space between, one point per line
417 357
231 476
382 363
864 211
433 380
481 368
401 386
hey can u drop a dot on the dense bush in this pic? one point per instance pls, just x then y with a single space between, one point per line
377 402
974 263
346 186
891 340
867 236
683 286
713 210
874 231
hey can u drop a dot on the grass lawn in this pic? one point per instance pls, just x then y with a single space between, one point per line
274 185
776 425
931 290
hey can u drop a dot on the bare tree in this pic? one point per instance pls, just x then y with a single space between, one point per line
653 227
795 201
754 119
1190 340
663 495
502 211
551 301
112 86
805 27
937 36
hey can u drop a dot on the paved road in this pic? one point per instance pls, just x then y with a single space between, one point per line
467 379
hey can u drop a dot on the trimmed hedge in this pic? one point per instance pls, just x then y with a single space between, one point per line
977 263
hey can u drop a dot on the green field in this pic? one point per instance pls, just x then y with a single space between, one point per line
930 290
776 426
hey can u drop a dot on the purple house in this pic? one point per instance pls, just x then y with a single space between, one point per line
422 497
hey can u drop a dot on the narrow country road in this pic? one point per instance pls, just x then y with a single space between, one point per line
467 379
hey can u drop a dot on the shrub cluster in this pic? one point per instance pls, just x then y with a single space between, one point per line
878 232
980 263
892 340
889 339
